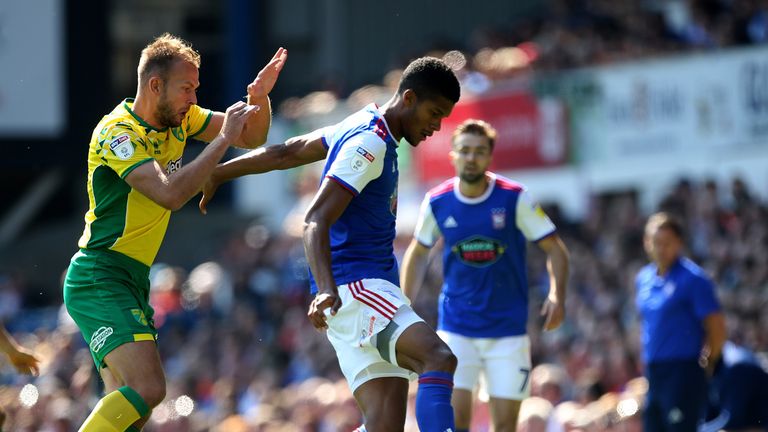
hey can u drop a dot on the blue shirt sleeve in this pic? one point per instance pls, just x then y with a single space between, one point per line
704 299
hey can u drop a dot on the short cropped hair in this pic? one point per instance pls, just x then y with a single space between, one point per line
476 127
430 77
663 220
160 55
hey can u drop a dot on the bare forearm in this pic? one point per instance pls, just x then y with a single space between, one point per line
187 182
716 334
412 275
293 153
257 161
317 247
256 129
557 266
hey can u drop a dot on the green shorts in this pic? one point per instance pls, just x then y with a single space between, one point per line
107 294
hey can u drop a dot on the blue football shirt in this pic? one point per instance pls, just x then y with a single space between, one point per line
362 158
485 289
672 308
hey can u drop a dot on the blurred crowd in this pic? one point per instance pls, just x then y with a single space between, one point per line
568 34
240 354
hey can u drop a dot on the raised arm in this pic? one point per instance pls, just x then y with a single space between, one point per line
557 267
174 190
255 131
329 203
295 152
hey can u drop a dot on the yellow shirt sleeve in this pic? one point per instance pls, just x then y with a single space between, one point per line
197 120
123 150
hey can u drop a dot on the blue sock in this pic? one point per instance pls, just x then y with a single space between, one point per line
433 402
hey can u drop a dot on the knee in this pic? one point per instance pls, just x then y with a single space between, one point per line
442 359
153 392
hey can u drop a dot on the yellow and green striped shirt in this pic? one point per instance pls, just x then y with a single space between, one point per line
120 218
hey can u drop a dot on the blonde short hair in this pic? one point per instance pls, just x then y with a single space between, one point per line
162 53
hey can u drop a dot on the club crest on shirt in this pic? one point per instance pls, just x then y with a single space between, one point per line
359 164
179 134
393 203
122 147
499 218
669 288
478 251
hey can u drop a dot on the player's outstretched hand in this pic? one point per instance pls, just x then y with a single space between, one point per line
24 361
554 312
320 303
234 121
209 190
265 80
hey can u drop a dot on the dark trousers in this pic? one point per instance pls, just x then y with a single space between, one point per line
677 396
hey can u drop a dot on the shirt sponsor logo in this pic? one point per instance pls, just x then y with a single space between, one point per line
122 147
99 337
499 218
478 251
173 166
366 154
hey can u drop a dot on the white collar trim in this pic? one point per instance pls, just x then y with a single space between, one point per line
476 200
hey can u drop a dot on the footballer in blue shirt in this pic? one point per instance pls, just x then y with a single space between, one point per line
683 329
486 221
349 231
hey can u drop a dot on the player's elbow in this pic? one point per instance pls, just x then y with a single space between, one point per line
310 226
172 202
314 225
176 205
252 143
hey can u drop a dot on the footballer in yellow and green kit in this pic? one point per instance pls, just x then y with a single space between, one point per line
106 289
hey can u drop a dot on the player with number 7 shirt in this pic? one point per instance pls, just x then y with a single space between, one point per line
486 221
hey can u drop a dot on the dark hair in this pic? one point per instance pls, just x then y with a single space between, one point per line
476 127
430 77
664 220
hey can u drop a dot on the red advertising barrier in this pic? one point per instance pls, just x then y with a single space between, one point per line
531 134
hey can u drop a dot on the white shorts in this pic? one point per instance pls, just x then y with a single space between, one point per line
361 333
505 363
